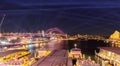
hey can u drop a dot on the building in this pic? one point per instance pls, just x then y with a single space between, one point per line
75 53
114 39
87 62
108 56
115 35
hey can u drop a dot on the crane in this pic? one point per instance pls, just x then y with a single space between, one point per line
2 22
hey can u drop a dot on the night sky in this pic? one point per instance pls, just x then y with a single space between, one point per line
72 16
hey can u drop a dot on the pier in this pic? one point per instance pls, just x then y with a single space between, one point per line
55 58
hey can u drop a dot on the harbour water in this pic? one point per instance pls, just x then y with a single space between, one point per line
88 47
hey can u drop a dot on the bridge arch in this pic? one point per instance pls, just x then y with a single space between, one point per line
54 30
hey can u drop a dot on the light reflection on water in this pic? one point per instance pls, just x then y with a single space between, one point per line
55 44
51 45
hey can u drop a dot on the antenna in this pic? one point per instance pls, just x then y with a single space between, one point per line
2 22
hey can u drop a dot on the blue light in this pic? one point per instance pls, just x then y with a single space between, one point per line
30 46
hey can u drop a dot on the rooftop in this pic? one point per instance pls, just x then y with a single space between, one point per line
112 49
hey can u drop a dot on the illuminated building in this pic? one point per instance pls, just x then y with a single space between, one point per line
87 62
114 39
43 33
42 53
75 52
108 56
115 35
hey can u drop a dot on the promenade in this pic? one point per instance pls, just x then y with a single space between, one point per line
55 58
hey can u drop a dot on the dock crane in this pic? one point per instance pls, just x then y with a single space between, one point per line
3 18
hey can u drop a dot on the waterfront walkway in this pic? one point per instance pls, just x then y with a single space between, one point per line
55 58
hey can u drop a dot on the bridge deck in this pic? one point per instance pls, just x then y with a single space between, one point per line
56 58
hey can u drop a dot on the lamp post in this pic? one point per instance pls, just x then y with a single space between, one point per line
75 45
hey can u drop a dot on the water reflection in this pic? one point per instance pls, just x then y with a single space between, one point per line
55 44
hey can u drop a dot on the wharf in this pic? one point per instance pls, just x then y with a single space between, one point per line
55 58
